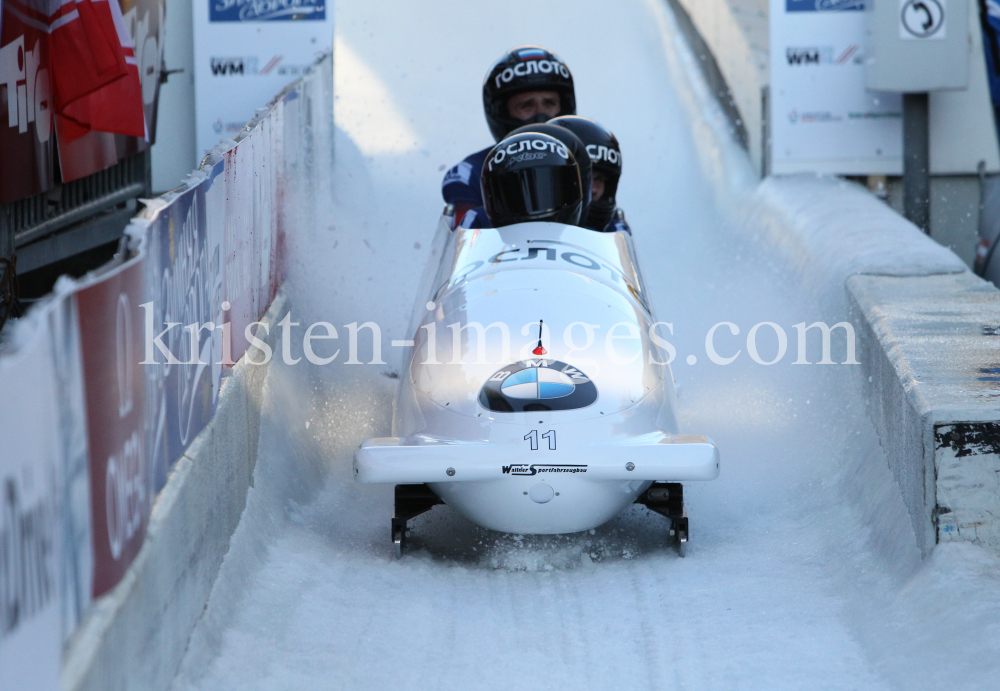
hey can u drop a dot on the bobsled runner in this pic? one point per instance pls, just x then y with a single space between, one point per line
536 399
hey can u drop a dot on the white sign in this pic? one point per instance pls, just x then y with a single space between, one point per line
30 520
245 52
822 119
922 19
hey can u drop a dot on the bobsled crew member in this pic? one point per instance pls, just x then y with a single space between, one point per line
527 85
539 181
605 155
478 218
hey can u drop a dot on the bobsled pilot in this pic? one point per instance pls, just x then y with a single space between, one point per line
527 85
532 177
478 218
603 213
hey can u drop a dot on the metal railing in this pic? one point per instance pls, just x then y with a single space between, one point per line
67 207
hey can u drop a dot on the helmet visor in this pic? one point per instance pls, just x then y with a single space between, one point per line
529 193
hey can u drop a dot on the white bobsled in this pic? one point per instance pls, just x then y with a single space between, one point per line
555 427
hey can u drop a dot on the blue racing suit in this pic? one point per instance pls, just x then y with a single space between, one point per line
989 16
461 185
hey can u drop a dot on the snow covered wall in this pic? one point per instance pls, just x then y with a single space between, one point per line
136 635
930 353
926 330
131 412
212 252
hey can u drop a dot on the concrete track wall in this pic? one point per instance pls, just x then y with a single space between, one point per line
931 362
926 327
926 332
137 635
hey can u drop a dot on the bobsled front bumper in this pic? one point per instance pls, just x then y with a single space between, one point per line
420 459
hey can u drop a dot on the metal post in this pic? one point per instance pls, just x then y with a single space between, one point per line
916 161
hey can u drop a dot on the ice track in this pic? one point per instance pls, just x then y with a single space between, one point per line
802 571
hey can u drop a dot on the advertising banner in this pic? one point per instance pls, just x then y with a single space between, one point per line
242 233
822 119
110 381
77 549
84 155
111 339
26 127
30 626
266 212
246 51
183 288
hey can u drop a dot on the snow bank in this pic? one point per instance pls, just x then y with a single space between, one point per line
833 229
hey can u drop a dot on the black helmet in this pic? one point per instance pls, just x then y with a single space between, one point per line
606 158
575 146
526 68
531 177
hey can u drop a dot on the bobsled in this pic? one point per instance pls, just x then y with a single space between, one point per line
537 396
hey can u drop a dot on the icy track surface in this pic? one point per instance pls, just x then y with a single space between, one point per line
802 571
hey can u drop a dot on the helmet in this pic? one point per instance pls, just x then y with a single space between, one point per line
575 146
606 158
525 68
531 177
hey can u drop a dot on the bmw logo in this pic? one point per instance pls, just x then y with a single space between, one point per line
537 385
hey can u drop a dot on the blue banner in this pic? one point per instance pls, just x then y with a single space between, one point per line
266 10
824 5
184 284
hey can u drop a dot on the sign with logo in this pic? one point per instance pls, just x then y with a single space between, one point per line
111 337
246 52
824 5
184 283
532 469
922 19
822 119
537 385
266 11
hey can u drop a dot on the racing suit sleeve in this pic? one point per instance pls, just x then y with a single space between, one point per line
475 218
460 185
461 210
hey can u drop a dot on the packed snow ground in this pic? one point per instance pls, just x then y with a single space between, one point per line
802 570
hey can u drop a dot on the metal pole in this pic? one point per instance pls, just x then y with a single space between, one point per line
916 161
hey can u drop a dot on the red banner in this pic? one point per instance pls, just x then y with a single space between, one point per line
98 65
26 121
84 155
111 339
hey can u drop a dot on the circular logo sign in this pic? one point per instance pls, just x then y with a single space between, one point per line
537 385
922 18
